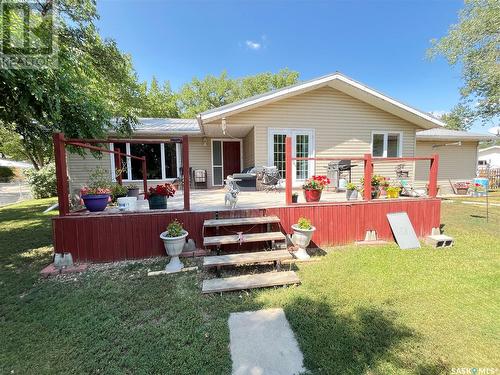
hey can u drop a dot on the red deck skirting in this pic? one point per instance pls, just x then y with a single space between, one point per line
101 238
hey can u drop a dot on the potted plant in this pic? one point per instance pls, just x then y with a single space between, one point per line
174 239
393 191
295 197
118 191
314 186
96 195
375 185
132 190
157 196
302 233
351 191
476 190
462 187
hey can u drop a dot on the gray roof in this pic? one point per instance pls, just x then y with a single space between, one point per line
168 125
448 134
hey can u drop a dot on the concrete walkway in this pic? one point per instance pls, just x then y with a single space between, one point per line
262 343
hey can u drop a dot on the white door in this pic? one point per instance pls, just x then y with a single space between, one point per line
302 147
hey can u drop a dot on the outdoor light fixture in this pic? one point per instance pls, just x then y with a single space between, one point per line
223 124
205 141
448 144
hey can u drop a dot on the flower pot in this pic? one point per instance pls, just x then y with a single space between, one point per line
312 195
174 247
462 191
351 195
157 202
375 193
392 194
127 203
295 198
95 202
133 192
301 238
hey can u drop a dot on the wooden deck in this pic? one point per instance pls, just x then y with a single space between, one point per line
118 236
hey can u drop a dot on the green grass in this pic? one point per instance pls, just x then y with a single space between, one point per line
358 311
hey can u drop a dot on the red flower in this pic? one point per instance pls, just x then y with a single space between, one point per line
166 190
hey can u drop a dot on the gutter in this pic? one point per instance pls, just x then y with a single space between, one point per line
200 122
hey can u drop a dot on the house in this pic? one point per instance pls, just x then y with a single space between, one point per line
328 116
489 156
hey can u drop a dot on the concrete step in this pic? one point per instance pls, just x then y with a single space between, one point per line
246 258
245 238
439 240
241 221
260 280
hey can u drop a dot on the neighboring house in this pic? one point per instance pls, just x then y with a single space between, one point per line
328 116
489 156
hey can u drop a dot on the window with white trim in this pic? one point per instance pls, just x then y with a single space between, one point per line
387 144
163 160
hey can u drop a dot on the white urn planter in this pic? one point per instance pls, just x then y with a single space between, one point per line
301 239
174 247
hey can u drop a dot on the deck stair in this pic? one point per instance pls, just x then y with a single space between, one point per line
257 280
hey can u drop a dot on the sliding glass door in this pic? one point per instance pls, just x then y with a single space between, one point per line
302 146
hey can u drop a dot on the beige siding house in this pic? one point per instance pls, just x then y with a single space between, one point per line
329 116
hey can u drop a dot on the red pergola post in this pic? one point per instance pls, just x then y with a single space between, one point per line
433 176
144 176
61 173
367 188
288 170
185 172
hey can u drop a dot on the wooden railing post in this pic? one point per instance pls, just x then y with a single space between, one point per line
144 176
61 173
433 176
288 170
185 170
118 167
367 184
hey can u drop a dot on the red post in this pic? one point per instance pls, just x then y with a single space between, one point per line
433 176
288 170
144 175
367 188
61 173
118 167
185 171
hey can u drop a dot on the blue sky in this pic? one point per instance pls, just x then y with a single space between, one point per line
380 43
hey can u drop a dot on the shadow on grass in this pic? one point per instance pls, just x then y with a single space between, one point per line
339 343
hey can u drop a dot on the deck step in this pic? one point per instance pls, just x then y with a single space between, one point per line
241 221
246 258
259 280
249 237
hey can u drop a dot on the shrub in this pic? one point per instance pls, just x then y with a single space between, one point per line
6 174
43 182
174 229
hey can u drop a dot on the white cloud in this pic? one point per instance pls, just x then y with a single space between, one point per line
253 45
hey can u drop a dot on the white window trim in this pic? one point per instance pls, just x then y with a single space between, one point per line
291 132
129 163
386 137
222 156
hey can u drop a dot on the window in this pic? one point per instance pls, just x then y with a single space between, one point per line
386 144
162 160
482 162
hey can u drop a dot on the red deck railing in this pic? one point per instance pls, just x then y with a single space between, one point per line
368 161
60 144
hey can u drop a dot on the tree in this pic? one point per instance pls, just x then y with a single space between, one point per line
459 118
473 44
212 92
158 101
92 83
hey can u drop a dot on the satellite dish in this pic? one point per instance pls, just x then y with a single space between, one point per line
494 130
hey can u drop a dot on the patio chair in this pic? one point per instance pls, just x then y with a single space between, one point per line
270 178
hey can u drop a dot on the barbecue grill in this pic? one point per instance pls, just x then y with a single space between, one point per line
336 170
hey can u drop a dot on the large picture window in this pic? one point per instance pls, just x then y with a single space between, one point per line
387 144
162 160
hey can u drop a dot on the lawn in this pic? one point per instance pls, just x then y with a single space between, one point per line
377 310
